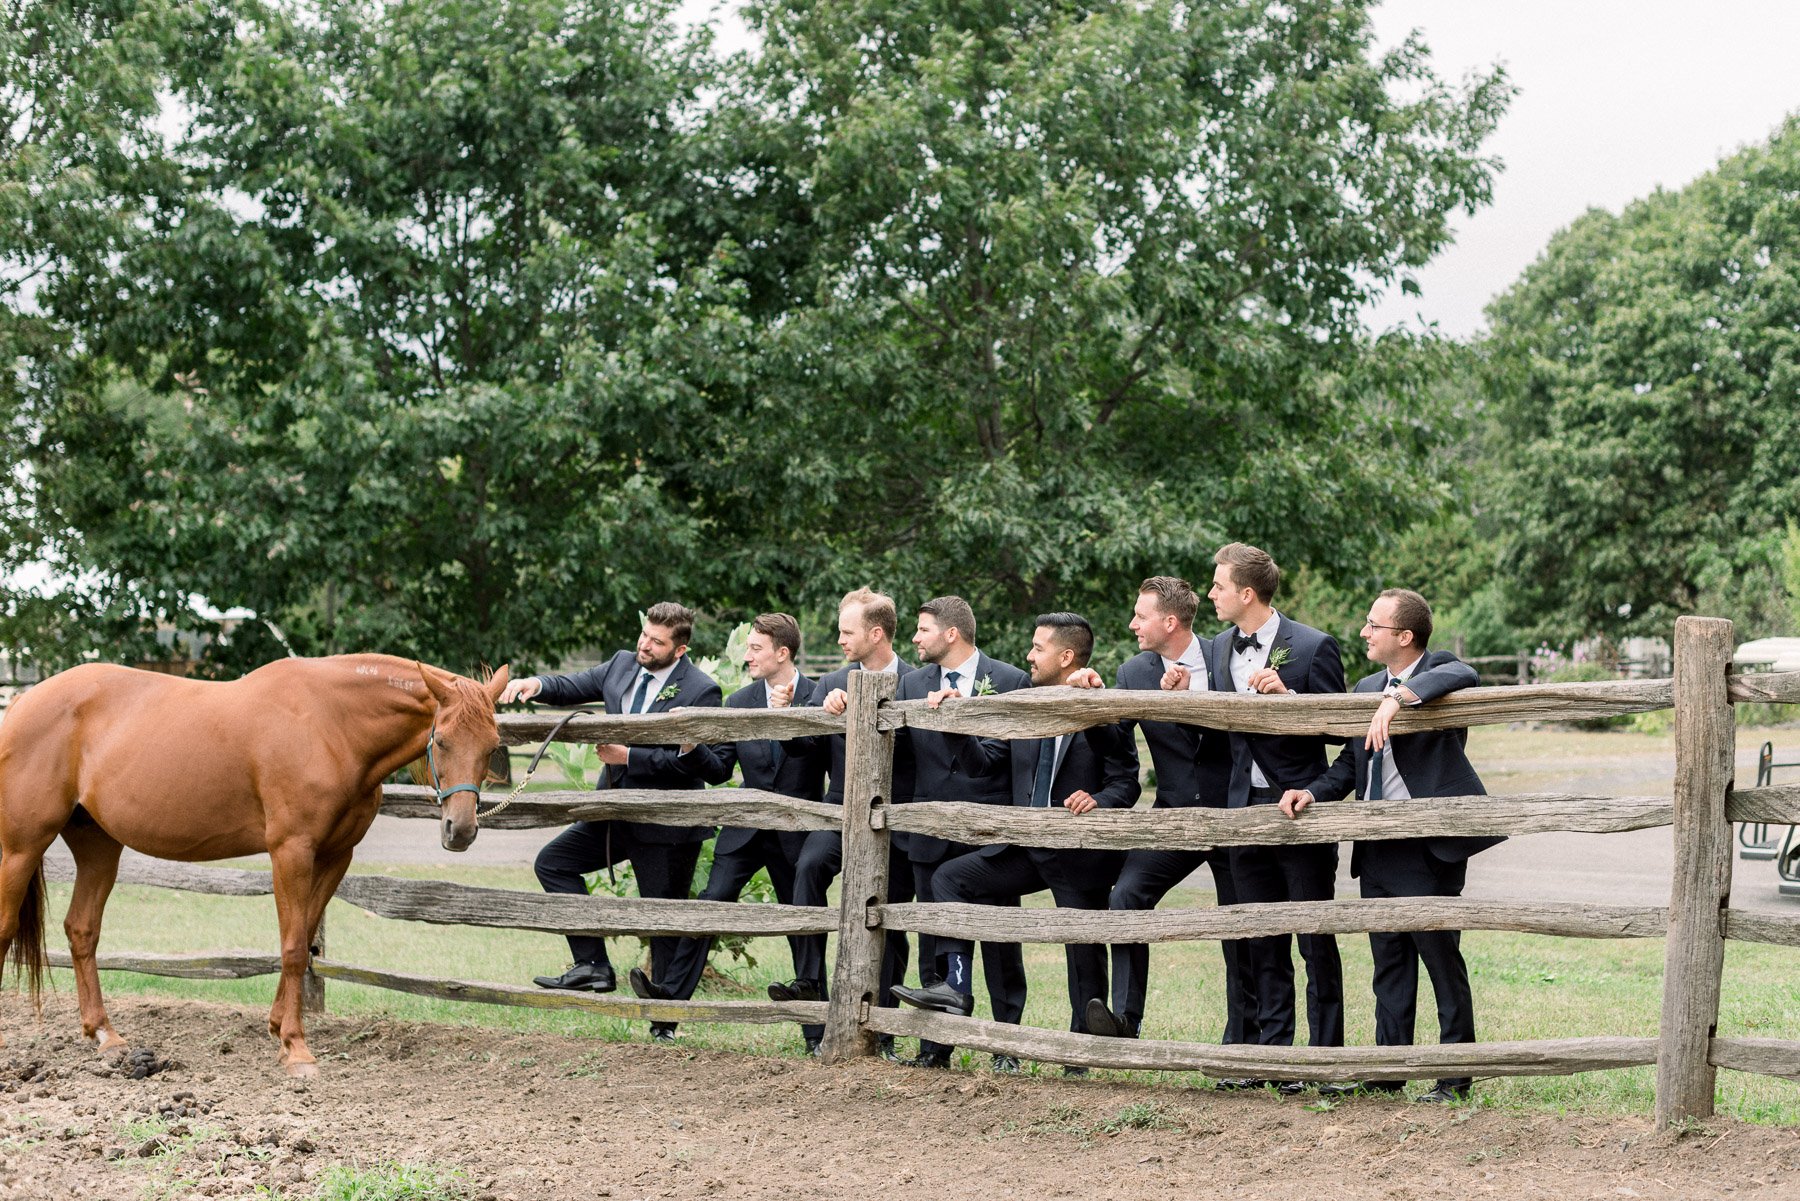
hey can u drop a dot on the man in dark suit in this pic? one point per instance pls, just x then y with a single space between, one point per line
1080 772
1193 767
1431 763
927 768
867 622
1268 653
794 768
654 679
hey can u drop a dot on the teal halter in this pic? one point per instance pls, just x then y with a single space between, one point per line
443 794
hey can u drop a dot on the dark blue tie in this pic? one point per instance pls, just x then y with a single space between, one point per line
953 678
1046 772
1376 768
637 702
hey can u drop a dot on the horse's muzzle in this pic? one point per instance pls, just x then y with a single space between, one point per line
459 838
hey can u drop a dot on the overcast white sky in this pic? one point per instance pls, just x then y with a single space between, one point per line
1616 98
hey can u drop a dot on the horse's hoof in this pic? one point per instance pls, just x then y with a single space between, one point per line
302 1071
109 1042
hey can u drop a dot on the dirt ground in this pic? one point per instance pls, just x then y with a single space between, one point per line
539 1116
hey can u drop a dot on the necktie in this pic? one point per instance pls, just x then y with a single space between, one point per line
954 679
1046 770
643 690
1240 643
1377 766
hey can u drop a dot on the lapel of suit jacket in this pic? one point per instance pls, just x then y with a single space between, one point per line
1284 636
677 681
615 688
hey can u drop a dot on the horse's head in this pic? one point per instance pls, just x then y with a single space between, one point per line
463 741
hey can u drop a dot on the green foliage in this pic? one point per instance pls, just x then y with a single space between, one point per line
1645 372
464 329
392 1182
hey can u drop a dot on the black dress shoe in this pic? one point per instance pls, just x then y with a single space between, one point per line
1359 1088
885 1044
1006 1065
1240 1084
1292 1088
581 977
815 1047
641 985
1074 1071
1443 1096
796 990
939 1058
662 1034
1100 1020
940 997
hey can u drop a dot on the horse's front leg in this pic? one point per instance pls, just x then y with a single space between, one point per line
96 869
294 869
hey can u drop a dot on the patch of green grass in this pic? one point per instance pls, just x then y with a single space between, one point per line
391 1182
1141 1115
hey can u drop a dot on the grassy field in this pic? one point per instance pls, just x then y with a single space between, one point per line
1525 987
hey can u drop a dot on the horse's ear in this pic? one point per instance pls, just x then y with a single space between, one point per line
440 692
498 681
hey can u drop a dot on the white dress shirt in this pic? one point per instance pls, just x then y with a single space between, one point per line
1248 662
1393 786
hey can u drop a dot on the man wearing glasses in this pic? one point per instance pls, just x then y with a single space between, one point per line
1431 763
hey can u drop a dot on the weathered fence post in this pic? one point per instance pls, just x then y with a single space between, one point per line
1705 748
312 985
869 777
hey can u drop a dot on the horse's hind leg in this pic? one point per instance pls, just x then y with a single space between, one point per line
22 908
96 867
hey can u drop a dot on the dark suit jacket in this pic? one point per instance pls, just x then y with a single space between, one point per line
1100 760
834 743
1432 762
613 683
1287 760
1193 763
925 762
800 772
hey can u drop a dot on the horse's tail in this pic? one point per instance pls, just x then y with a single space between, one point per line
28 938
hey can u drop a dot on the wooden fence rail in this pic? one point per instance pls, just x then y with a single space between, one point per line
1696 925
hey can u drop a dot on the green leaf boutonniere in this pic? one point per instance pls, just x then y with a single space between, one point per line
1278 658
984 686
667 694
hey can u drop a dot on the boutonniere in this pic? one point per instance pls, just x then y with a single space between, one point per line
1278 658
984 686
667 694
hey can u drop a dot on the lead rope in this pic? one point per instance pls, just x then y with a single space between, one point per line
531 769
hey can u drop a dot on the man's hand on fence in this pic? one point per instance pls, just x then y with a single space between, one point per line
521 690
934 699
1378 728
1087 677
1175 679
836 701
780 695
1079 802
612 754
1294 800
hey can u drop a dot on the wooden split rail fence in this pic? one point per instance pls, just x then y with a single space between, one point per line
1696 924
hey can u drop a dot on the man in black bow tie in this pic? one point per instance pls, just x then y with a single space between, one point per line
1430 763
1267 653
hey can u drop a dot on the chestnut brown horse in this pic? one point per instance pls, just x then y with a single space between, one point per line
288 760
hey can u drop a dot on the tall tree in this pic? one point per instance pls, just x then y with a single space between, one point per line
1082 286
392 360
1646 372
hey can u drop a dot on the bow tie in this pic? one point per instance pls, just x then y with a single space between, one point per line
1241 642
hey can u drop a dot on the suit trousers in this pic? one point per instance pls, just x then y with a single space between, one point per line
1403 867
1003 877
663 870
1307 872
730 873
1145 880
821 859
